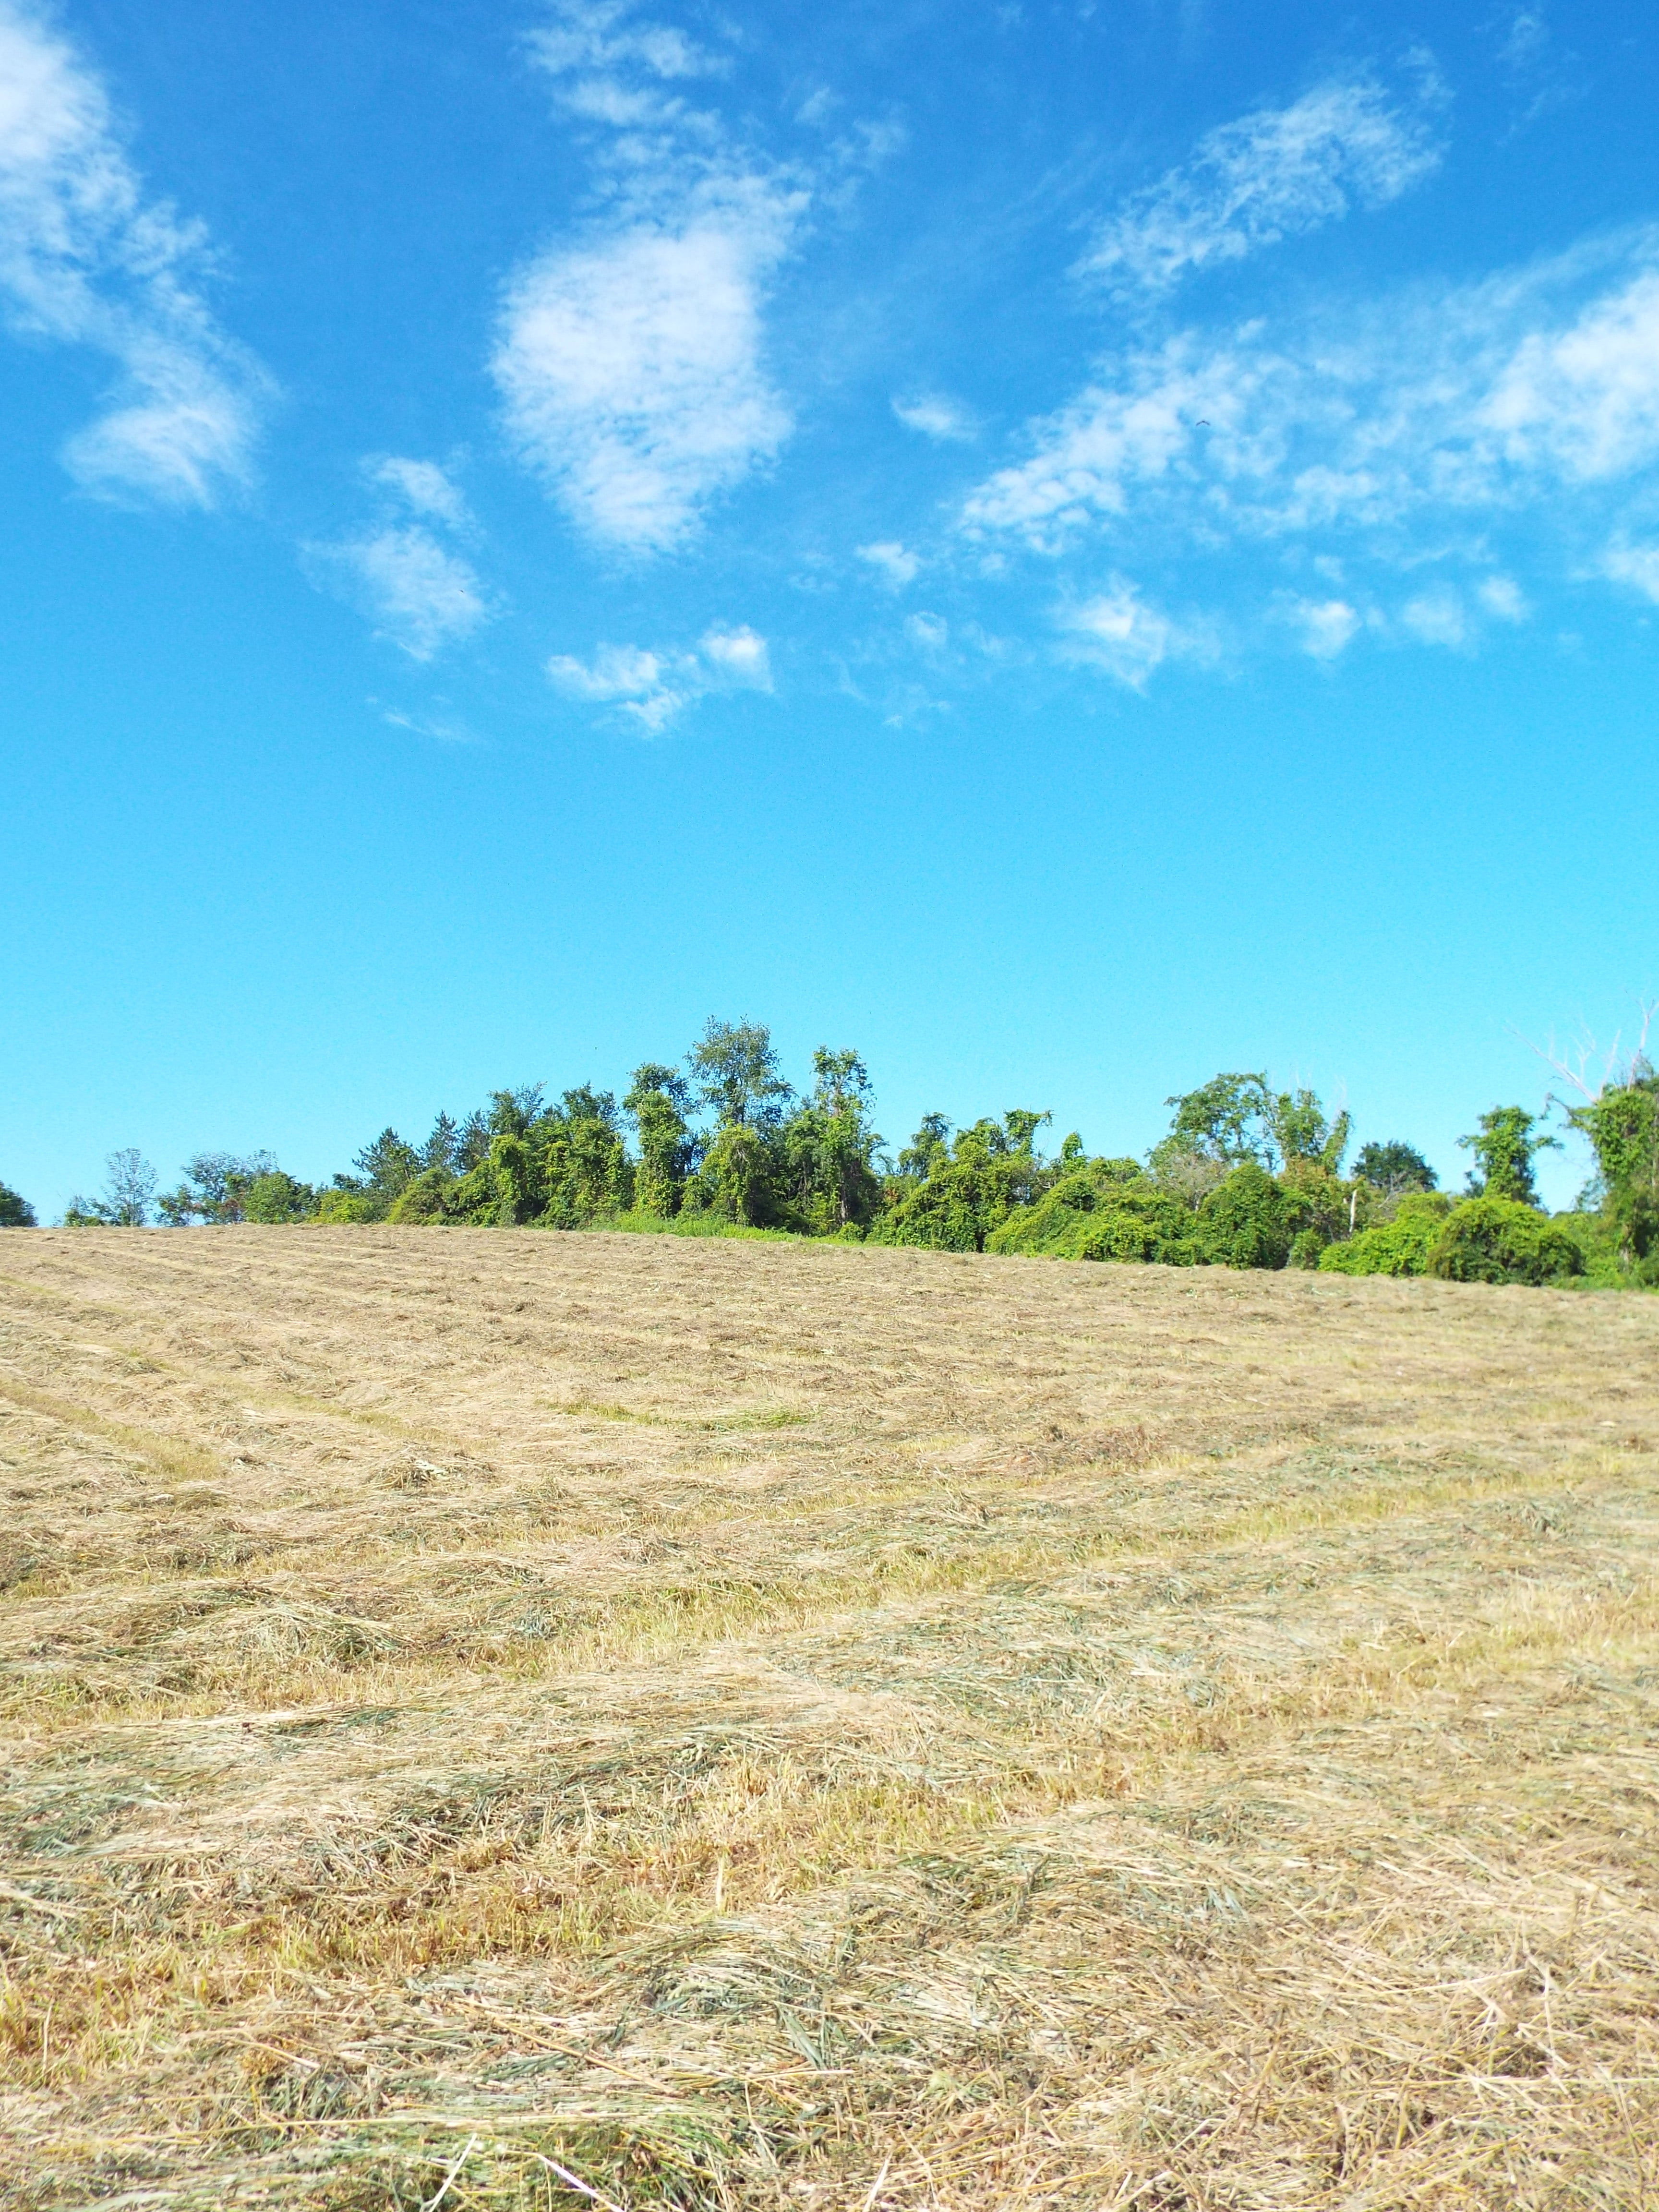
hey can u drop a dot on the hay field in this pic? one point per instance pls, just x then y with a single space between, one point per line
504 1720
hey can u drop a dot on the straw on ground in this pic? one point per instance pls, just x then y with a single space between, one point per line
507 1719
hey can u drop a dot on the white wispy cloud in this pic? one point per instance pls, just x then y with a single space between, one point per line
1327 627
425 488
87 258
1362 431
416 592
631 361
1436 617
1503 598
937 416
1635 565
652 688
895 564
412 583
1121 633
1270 175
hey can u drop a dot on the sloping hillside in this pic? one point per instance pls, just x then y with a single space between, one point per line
504 1719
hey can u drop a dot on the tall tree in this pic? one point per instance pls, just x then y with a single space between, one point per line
656 1103
215 1188
829 1146
734 1066
128 1193
1504 1148
386 1169
1395 1167
442 1148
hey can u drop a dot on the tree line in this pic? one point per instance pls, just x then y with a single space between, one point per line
1246 1176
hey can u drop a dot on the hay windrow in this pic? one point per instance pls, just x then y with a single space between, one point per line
514 1720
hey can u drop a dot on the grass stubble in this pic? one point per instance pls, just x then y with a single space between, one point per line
506 1720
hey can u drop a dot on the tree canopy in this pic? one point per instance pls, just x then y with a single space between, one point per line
1248 1175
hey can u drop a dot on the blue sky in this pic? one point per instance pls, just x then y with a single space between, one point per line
1067 546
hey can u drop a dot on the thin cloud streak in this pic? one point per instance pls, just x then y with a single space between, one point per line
1271 175
86 259
935 416
418 592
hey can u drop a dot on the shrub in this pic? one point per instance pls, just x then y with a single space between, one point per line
338 1206
1399 1247
1306 1245
424 1200
276 1196
1245 1222
1096 1213
1499 1240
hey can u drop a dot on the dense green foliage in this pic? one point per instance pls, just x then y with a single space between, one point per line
1247 1177
1504 1147
16 1212
1623 1127
1395 1169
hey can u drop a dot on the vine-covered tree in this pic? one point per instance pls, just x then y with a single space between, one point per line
1504 1148
657 1102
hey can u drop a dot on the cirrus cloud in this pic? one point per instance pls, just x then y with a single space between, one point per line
416 589
87 258
1266 177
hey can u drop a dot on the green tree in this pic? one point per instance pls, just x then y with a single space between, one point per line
276 1197
734 1067
1622 1124
656 1103
1238 1117
442 1149
16 1212
1248 1220
1502 1240
933 1137
472 1144
385 1169
1228 1119
1504 1148
829 1147
215 1188
514 1113
1301 1133
128 1195
1394 1168
581 1160
969 1186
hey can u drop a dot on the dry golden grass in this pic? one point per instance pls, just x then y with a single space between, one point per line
509 1720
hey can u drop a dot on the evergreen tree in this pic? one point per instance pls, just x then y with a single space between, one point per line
442 1148
16 1212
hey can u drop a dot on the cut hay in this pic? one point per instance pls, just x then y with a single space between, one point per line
507 1720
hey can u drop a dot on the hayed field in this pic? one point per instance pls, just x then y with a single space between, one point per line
503 1720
